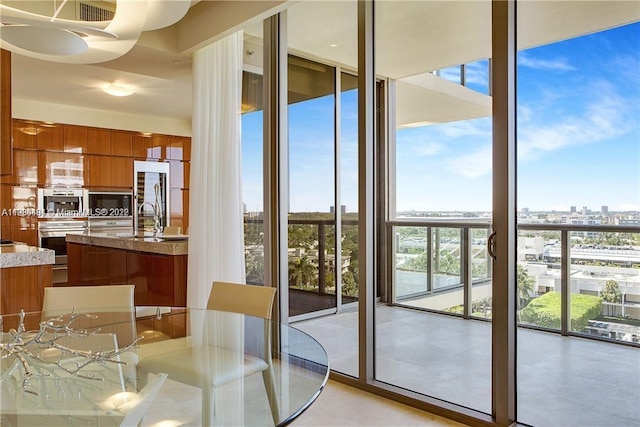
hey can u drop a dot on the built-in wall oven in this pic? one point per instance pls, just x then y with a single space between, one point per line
60 211
111 212
52 234
62 203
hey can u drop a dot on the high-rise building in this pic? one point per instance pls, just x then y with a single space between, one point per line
604 210
573 209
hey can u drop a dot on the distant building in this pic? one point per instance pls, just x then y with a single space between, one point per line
604 210
573 209
585 211
525 211
343 209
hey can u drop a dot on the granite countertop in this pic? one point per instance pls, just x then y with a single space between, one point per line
21 255
139 244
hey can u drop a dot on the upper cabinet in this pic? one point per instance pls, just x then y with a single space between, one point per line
50 137
63 155
121 143
98 141
75 139
24 134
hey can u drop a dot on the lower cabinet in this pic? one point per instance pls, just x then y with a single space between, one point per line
159 279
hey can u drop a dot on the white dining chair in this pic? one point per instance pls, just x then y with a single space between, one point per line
62 299
172 230
117 303
170 356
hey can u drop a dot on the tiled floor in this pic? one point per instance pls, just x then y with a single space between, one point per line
341 405
561 381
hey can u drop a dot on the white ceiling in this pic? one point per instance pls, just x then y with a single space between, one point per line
434 34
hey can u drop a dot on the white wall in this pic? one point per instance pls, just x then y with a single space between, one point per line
68 114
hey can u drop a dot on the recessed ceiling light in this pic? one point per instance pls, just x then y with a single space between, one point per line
117 89
333 45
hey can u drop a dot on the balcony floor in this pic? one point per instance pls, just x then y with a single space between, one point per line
561 381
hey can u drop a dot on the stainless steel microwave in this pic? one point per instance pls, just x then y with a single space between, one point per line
110 204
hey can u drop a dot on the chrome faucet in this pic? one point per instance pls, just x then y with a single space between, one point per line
157 211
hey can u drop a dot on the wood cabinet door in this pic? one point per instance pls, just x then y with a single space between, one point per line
24 134
98 141
75 138
107 171
61 169
179 148
121 172
159 146
25 168
121 143
50 137
96 170
141 146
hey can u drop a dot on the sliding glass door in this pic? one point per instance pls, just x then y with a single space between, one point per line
435 58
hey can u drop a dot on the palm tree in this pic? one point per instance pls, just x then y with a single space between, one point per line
301 272
525 285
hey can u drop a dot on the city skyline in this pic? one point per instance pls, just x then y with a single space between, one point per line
578 132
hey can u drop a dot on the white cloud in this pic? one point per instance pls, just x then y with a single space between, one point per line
603 119
474 164
558 64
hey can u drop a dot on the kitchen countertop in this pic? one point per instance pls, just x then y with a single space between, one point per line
21 255
140 244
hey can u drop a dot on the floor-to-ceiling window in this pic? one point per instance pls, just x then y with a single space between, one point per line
433 326
252 107
323 165
579 218
435 57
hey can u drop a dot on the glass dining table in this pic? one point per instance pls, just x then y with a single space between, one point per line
155 366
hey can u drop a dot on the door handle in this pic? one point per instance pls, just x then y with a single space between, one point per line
491 245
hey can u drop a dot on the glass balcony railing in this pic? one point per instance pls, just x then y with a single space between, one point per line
573 279
313 265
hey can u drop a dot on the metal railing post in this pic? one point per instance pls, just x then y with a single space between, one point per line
565 283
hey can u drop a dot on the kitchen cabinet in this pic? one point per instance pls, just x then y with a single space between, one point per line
50 137
141 146
6 129
180 209
98 141
61 169
22 288
75 138
108 172
19 215
159 279
121 143
24 134
159 146
25 168
178 148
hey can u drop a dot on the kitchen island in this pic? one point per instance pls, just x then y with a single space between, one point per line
24 273
157 268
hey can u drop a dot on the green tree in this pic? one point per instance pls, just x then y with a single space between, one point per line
611 293
302 273
525 285
254 265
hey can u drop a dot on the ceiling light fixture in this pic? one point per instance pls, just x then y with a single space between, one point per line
117 89
50 38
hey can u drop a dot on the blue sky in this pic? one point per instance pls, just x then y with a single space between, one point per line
578 139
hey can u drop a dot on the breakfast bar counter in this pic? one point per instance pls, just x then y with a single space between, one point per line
157 268
141 244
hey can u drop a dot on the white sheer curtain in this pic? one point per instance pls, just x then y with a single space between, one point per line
216 233
216 229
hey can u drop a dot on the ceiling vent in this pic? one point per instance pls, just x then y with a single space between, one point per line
91 12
